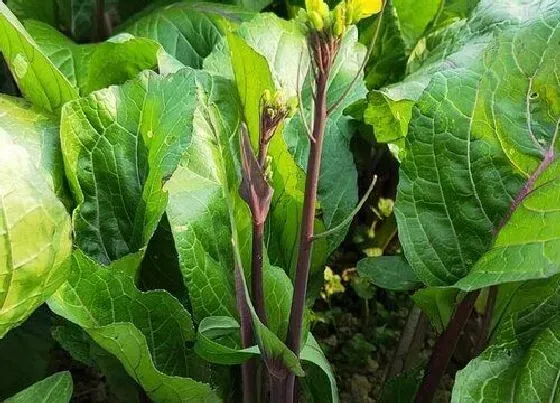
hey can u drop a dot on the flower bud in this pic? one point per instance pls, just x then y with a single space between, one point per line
316 20
267 97
339 20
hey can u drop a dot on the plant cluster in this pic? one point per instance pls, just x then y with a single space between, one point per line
176 175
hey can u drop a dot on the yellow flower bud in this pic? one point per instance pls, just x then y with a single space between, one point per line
339 20
316 20
267 97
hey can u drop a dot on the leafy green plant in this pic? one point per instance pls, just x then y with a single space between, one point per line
175 175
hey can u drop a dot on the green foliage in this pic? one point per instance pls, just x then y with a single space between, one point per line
391 272
56 388
120 172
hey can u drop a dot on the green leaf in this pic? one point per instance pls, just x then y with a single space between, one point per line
387 61
319 376
437 303
91 67
80 345
188 31
390 272
36 76
414 17
220 327
120 145
481 166
37 133
56 388
445 48
147 332
523 362
26 352
36 236
210 222
40 10
287 178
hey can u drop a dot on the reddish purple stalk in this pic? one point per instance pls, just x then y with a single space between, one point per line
324 51
444 348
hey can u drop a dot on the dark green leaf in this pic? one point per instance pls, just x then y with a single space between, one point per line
188 31
26 352
391 272
438 304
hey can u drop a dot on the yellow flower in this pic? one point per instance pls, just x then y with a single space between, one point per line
361 9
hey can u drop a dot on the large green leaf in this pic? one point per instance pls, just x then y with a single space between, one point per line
37 133
120 145
523 363
188 31
147 332
36 76
81 347
56 388
458 44
91 67
479 186
36 234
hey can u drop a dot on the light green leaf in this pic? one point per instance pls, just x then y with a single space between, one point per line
390 272
188 31
91 67
414 17
209 346
120 145
37 133
453 44
36 233
210 222
481 173
287 178
147 332
523 363
56 388
36 76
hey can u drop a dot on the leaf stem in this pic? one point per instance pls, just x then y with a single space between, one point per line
323 57
444 348
249 368
257 280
